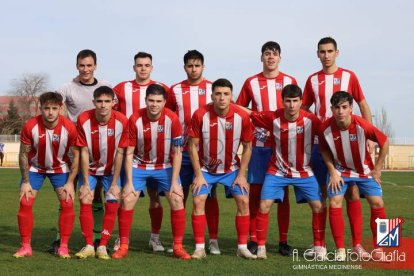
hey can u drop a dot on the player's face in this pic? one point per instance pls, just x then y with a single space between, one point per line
155 105
327 54
143 68
292 106
270 60
221 98
342 113
86 67
50 112
194 69
103 105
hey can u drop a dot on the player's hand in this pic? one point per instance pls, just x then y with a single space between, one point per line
26 191
70 192
376 175
197 184
242 183
128 190
115 191
176 189
85 191
370 146
335 183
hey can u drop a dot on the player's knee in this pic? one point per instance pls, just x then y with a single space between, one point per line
335 202
316 206
377 203
198 204
242 204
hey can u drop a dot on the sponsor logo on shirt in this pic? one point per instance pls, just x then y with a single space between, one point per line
111 132
262 87
213 124
229 126
212 164
55 138
336 138
94 132
148 128
41 136
336 81
352 137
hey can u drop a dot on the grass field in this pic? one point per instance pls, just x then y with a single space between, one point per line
398 195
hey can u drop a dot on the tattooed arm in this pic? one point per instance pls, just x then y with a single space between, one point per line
25 189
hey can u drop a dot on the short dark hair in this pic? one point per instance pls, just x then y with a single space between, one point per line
340 97
142 55
327 40
272 46
86 53
222 83
156 89
193 54
291 91
51 97
103 90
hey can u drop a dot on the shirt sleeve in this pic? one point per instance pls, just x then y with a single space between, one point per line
195 129
176 133
132 132
247 129
73 134
124 141
81 140
26 136
308 96
263 119
356 89
171 102
373 133
244 96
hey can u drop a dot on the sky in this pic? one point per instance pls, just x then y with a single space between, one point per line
375 40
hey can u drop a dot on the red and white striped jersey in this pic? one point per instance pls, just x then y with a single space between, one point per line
184 99
102 141
292 141
220 137
320 87
265 95
154 140
131 96
348 147
49 147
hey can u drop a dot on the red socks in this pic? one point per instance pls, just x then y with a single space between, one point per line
242 227
262 221
254 205
337 226
156 219
66 221
199 226
111 209
283 216
354 211
124 225
86 221
318 230
25 219
376 213
212 216
178 226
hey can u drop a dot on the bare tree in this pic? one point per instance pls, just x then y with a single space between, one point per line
29 87
12 122
382 122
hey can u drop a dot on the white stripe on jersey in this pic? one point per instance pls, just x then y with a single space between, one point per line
103 148
362 148
154 144
35 135
308 141
128 99
328 93
346 76
271 88
48 153
257 97
140 137
221 147
346 147
180 103
236 133
206 137
167 138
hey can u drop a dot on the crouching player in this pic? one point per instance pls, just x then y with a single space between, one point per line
343 140
153 154
293 131
45 143
217 129
103 135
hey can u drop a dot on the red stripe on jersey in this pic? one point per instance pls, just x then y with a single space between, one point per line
56 145
41 147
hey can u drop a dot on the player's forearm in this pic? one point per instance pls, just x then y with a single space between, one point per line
176 164
117 165
195 160
327 158
84 164
382 155
24 162
365 111
128 164
74 167
245 158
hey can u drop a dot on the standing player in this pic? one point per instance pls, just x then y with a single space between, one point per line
185 98
343 140
131 97
319 88
78 97
216 132
154 153
102 139
264 91
45 142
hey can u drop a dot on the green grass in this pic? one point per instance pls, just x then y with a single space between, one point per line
398 197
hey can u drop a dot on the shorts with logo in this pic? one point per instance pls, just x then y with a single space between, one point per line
306 188
366 186
227 179
36 179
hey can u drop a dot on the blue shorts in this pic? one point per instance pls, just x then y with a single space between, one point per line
366 186
306 189
186 172
36 179
259 162
318 165
105 180
159 179
226 179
